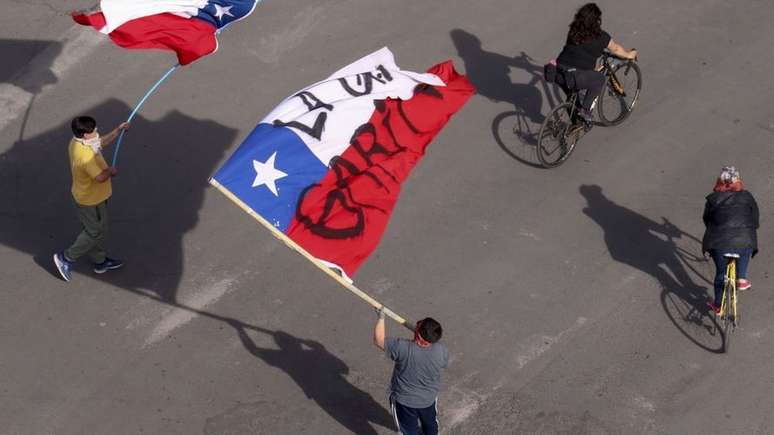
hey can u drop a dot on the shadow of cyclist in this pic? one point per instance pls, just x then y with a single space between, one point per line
490 73
515 130
644 244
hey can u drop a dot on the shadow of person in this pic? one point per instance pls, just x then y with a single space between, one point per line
490 73
29 69
163 166
19 53
321 375
646 245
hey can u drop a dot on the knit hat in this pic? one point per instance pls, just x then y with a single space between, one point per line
729 174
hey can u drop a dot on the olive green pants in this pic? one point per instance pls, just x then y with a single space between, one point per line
91 240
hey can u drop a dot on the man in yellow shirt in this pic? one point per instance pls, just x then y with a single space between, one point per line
91 189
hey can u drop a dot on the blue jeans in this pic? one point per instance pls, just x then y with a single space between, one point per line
721 263
409 420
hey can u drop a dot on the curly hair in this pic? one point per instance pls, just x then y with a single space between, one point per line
586 25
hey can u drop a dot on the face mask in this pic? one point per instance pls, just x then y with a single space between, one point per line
94 143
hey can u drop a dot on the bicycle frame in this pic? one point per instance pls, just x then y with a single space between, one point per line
728 304
563 138
573 99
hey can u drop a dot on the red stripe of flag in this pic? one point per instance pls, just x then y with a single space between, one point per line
342 219
190 38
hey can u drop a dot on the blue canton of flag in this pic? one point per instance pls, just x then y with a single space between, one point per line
269 171
221 13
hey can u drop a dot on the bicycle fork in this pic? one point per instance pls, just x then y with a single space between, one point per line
616 84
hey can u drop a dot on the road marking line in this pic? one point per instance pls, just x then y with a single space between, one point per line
179 317
540 344
77 43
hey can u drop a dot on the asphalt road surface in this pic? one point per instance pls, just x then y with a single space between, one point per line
572 299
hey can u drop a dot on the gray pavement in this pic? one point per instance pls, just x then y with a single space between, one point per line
569 305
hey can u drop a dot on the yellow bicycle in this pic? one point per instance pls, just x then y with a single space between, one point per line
728 309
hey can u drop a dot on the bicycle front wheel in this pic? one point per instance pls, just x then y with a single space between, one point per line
728 328
557 137
622 90
729 316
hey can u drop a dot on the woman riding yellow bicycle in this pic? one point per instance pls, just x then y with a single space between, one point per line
731 218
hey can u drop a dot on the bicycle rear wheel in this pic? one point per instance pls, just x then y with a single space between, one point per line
622 90
558 137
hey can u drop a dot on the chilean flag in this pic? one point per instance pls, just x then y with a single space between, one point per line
325 166
188 27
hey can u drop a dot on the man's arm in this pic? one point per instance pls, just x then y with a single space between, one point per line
379 329
619 51
106 174
110 137
95 170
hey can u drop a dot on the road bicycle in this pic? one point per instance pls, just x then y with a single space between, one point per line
563 127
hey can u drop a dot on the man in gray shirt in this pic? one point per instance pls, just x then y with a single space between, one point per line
416 377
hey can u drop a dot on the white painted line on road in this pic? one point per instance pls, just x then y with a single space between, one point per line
179 317
540 344
272 46
641 402
463 407
77 44
13 101
525 233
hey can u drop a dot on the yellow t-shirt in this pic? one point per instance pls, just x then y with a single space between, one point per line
85 165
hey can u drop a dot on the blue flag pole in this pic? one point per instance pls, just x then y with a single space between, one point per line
137 108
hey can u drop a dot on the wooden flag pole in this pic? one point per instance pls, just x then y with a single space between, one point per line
295 246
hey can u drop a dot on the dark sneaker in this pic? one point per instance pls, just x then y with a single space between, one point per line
63 266
108 264
743 284
586 115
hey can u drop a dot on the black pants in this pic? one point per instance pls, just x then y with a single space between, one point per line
592 81
410 420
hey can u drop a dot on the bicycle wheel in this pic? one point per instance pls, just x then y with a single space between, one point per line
622 90
728 316
727 330
557 137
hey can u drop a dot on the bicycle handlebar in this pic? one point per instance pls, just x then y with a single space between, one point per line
608 53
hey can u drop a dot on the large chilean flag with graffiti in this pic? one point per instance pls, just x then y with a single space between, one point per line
188 27
325 167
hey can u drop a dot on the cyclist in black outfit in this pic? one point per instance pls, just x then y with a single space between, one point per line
585 43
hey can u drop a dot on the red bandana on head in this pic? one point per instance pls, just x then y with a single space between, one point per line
418 337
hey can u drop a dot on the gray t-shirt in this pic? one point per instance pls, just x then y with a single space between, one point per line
416 378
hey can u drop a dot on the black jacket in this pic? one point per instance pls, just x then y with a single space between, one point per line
731 219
